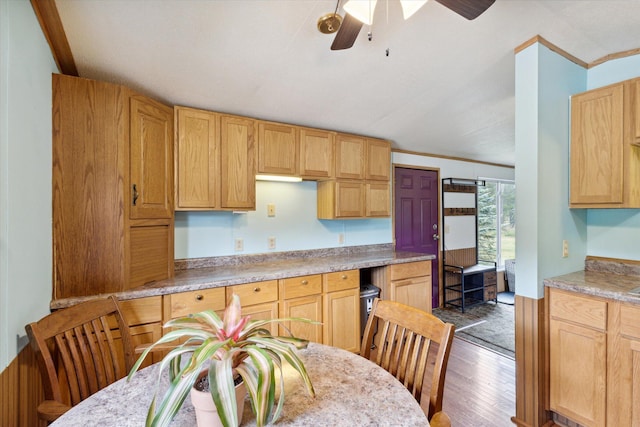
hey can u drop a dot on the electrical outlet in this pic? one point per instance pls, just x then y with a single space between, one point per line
271 242
239 245
341 238
271 209
565 248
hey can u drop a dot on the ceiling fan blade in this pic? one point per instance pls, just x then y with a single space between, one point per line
347 33
469 9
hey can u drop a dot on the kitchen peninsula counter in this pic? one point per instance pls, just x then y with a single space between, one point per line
205 273
604 278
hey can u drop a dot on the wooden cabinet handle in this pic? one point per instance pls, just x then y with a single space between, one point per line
199 297
304 282
256 289
344 276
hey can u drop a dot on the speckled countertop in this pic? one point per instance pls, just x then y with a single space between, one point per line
205 273
602 277
350 391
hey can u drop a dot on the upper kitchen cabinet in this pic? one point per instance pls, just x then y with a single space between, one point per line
215 161
316 153
237 162
378 160
278 149
605 163
112 188
197 159
358 157
151 151
350 156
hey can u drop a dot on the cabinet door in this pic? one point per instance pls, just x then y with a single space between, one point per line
623 392
597 132
415 291
350 156
578 367
151 154
277 149
151 254
308 307
378 160
377 199
265 311
316 153
237 163
197 159
341 199
636 110
342 319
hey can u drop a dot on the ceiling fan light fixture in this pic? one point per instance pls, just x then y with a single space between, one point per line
409 7
362 10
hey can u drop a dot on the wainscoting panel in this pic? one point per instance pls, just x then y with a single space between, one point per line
531 363
21 392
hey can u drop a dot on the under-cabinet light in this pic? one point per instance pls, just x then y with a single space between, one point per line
279 178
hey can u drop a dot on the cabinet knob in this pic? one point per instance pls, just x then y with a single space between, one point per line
256 289
344 276
199 297
304 282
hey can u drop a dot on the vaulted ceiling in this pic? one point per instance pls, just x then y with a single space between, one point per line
446 86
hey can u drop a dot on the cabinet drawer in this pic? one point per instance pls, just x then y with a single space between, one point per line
578 309
142 310
490 292
630 321
185 303
341 280
410 269
490 278
294 287
255 293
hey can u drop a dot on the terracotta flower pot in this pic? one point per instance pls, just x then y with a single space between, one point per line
206 412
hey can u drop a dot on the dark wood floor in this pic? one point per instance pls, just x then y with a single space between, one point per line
479 388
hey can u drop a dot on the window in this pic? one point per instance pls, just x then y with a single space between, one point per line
497 221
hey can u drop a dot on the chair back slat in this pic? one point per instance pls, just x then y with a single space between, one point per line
410 344
88 356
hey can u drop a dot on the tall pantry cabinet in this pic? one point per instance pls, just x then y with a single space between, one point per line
112 188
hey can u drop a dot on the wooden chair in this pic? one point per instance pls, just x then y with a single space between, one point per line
404 347
80 351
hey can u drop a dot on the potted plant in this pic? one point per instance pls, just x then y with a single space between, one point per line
225 349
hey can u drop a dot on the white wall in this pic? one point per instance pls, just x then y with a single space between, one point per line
26 65
459 231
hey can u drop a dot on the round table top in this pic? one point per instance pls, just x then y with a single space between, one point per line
350 390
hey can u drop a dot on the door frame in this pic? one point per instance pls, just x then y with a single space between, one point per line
439 209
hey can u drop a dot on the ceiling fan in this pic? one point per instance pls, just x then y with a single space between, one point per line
349 27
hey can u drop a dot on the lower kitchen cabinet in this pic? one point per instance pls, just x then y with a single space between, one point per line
623 382
342 309
144 317
594 359
302 297
259 300
407 283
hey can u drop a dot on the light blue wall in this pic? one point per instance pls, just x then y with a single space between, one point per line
544 82
295 226
26 65
612 232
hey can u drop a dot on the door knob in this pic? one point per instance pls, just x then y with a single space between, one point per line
436 236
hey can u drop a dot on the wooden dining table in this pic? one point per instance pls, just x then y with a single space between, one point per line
350 391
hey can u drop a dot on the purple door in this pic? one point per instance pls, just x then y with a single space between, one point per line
416 217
